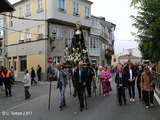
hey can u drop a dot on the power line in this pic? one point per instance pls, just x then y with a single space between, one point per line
22 18
20 31
127 40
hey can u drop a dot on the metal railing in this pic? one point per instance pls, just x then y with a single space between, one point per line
157 79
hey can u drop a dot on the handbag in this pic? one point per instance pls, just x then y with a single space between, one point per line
110 79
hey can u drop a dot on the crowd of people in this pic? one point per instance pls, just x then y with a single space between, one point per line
126 77
7 78
129 75
85 79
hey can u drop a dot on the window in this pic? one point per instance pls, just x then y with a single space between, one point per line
56 60
58 31
70 36
21 12
40 31
9 63
40 5
11 20
1 28
21 35
94 46
95 23
23 63
15 64
61 5
75 8
28 34
28 9
103 46
85 36
87 13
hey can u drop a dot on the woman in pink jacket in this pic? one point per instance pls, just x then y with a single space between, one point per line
106 84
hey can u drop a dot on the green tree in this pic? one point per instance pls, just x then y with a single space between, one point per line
148 24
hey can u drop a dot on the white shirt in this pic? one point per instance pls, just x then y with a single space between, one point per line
58 74
120 77
27 80
130 71
150 68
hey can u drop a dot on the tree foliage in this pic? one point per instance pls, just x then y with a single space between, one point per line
148 24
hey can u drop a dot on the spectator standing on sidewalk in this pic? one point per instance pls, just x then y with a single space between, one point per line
12 74
49 72
27 84
33 75
39 69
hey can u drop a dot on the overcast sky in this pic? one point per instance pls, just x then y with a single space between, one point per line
117 12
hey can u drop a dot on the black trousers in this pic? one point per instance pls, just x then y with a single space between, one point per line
74 86
89 86
121 94
139 89
8 87
80 90
131 89
27 94
148 95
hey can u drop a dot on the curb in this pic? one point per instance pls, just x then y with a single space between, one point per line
18 81
157 95
157 98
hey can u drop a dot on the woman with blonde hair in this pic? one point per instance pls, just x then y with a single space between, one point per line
100 80
106 84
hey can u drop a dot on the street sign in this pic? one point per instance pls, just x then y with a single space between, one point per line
50 60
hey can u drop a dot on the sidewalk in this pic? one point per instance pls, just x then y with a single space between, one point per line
157 95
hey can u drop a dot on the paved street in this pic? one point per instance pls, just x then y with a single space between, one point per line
100 107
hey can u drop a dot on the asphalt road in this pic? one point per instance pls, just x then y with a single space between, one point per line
99 107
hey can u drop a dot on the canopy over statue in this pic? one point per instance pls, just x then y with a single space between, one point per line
78 51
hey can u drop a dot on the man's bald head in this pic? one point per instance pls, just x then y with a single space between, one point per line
58 66
80 64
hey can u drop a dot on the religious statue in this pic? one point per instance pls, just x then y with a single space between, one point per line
78 51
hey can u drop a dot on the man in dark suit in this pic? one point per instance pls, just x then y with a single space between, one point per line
39 69
80 82
90 74
71 73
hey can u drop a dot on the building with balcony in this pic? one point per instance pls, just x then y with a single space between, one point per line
33 26
101 39
1 40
